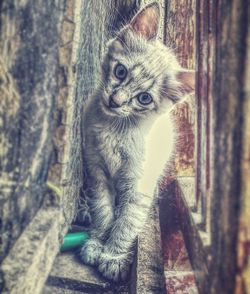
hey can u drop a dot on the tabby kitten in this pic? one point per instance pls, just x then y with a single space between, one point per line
141 79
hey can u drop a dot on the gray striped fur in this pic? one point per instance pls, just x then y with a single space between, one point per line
114 147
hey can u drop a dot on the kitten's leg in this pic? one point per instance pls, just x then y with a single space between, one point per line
83 216
117 253
102 213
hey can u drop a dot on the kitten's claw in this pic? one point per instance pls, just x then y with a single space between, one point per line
90 252
115 267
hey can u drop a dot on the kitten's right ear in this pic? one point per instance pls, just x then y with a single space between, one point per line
146 22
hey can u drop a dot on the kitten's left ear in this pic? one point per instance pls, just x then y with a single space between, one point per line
187 81
146 22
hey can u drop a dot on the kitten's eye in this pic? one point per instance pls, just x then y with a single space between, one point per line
120 71
144 98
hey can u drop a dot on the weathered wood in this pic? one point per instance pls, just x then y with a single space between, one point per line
35 54
221 166
29 64
180 34
222 66
180 30
205 63
229 98
64 76
148 276
180 277
243 242
199 254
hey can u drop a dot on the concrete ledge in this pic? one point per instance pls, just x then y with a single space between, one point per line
26 267
149 271
70 274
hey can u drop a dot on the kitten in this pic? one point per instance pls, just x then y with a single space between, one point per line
141 80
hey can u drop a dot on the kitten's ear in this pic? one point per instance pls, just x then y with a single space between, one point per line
146 22
187 81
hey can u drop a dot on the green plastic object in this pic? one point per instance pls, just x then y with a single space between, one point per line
74 240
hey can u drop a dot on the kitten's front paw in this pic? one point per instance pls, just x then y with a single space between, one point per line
115 267
90 252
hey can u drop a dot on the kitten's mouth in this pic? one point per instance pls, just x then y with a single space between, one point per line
109 110
114 111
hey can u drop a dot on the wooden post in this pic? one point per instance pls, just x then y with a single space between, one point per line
229 126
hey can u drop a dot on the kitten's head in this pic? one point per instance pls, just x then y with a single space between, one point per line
141 76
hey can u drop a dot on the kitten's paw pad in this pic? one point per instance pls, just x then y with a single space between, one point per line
115 267
90 252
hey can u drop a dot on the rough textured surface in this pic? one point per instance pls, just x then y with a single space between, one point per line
61 107
28 263
243 246
192 234
149 264
228 122
180 35
182 282
34 68
180 30
56 290
206 34
222 164
178 271
69 273
28 88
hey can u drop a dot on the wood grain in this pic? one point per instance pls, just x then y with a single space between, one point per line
228 124
180 34
243 243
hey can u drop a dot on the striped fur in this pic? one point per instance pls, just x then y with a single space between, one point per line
114 146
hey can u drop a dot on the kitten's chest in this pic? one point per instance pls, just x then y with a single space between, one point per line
116 150
111 151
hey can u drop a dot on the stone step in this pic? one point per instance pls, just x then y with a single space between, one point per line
56 290
70 274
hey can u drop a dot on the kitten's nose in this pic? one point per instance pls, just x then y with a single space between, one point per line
112 103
